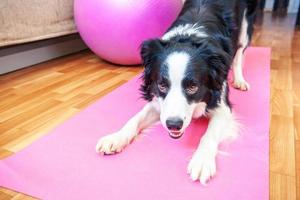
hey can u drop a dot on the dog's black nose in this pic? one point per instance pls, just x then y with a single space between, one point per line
174 124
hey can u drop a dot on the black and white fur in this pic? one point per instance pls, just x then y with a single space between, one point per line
185 77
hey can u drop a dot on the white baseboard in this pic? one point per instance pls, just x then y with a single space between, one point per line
20 56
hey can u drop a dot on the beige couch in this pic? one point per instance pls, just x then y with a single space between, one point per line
34 31
24 21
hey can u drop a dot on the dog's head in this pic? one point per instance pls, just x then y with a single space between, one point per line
183 75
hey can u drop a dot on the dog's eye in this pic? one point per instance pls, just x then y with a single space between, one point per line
192 89
162 87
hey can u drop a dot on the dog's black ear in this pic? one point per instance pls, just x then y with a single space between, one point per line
219 64
150 51
219 67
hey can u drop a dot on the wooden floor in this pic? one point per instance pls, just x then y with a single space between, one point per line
37 99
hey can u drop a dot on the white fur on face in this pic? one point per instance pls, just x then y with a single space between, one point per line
187 29
175 104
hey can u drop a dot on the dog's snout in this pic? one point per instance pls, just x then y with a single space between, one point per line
174 124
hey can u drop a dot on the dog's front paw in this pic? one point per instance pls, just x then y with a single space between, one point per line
241 84
202 166
112 143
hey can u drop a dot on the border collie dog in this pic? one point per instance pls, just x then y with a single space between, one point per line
185 77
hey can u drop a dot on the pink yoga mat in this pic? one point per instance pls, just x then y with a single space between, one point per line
64 165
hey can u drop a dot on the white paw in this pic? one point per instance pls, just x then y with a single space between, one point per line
202 166
241 84
112 143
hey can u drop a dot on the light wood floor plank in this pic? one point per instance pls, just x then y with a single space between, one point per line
282 149
282 187
281 103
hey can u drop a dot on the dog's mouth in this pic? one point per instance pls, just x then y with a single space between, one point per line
175 134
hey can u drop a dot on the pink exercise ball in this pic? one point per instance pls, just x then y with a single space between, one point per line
115 29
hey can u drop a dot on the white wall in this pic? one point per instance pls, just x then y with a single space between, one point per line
269 5
293 6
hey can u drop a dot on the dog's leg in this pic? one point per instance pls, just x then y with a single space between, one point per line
221 126
115 142
238 78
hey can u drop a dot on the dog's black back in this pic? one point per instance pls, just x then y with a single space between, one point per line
223 16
